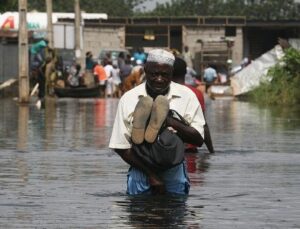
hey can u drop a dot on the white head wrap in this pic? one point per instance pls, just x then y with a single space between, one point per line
161 56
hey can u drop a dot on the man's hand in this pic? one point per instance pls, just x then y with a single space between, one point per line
157 186
187 133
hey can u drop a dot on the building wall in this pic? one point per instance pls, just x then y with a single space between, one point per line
114 37
238 48
8 61
192 35
103 37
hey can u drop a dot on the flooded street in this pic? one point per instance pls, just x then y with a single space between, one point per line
57 172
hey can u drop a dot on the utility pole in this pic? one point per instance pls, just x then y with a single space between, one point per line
77 31
23 53
49 65
49 23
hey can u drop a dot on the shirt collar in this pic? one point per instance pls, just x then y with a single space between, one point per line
173 92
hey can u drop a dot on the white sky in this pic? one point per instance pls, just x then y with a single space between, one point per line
150 4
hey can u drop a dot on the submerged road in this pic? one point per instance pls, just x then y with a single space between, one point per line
57 172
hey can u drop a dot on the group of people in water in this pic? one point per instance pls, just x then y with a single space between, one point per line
115 76
148 88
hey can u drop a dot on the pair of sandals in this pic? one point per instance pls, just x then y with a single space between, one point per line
146 108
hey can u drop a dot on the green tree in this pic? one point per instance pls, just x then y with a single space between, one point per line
8 5
283 89
119 8
252 9
271 10
194 8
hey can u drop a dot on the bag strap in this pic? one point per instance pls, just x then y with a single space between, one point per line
178 116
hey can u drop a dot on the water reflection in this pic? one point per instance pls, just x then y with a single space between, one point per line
197 165
241 126
251 182
23 119
100 113
158 212
50 116
23 169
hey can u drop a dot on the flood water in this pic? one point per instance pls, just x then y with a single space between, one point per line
56 170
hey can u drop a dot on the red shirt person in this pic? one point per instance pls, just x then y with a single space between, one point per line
178 77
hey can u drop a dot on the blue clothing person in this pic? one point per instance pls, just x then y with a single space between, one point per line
210 74
139 55
89 62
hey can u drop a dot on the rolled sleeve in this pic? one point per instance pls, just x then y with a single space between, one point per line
194 115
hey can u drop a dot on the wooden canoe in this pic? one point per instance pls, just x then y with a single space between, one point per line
78 92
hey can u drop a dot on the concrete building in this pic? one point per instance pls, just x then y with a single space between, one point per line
210 39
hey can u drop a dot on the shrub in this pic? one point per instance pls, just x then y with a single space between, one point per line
284 88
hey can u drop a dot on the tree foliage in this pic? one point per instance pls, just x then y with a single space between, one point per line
111 7
283 89
252 9
8 5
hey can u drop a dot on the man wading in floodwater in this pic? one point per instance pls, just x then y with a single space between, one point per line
154 99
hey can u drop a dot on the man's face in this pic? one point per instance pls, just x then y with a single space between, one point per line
158 76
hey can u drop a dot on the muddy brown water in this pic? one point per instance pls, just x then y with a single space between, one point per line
57 172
